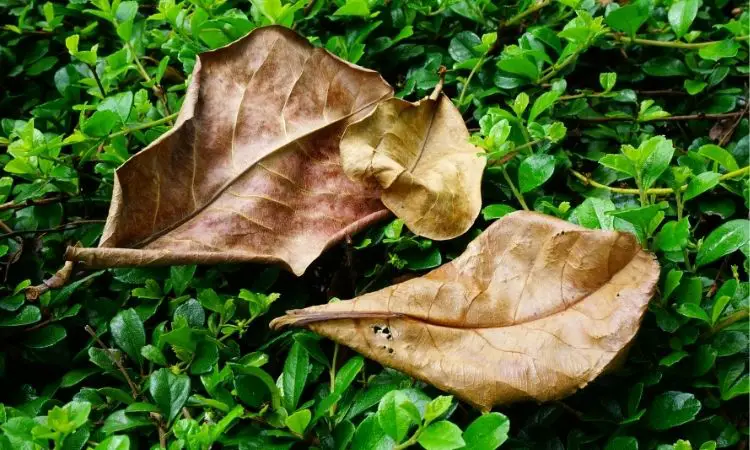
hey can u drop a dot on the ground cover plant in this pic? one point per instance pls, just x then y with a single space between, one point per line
629 116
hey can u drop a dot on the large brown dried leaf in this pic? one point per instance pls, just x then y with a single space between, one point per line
421 157
251 171
535 308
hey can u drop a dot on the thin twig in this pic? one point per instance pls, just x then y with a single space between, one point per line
145 125
98 81
670 44
730 320
25 204
653 191
63 227
114 360
514 20
439 86
699 116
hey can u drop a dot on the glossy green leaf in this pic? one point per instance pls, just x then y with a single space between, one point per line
441 435
671 409
487 432
725 239
128 333
681 15
169 392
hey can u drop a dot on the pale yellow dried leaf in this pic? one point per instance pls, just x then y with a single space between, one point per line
420 155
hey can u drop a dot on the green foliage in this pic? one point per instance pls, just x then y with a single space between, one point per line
615 117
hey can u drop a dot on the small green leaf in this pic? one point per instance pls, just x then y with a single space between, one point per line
461 47
491 212
665 66
543 103
671 281
622 443
45 337
535 171
120 421
671 409
181 277
437 407
724 240
441 435
607 80
681 15
693 311
673 358
26 316
298 421
592 213
719 155
700 184
294 376
100 123
673 236
393 417
369 435
723 49
619 163
627 19
694 87
718 307
128 333
520 103
169 392
114 443
487 432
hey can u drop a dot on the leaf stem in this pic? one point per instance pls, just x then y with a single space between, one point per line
158 91
411 441
515 151
98 81
556 68
115 360
332 374
731 319
474 70
669 44
516 192
653 191
145 125
520 16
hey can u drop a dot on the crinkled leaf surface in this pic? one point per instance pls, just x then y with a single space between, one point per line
420 155
535 308
251 171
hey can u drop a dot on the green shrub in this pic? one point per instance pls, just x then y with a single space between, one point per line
629 117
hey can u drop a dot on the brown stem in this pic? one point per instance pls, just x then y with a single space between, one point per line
699 116
116 361
63 227
56 281
41 324
25 204
730 131
439 86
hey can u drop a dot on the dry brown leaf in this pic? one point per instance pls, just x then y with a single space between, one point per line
420 155
535 308
251 171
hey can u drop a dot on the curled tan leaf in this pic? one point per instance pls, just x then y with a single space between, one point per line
420 155
535 308
251 170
